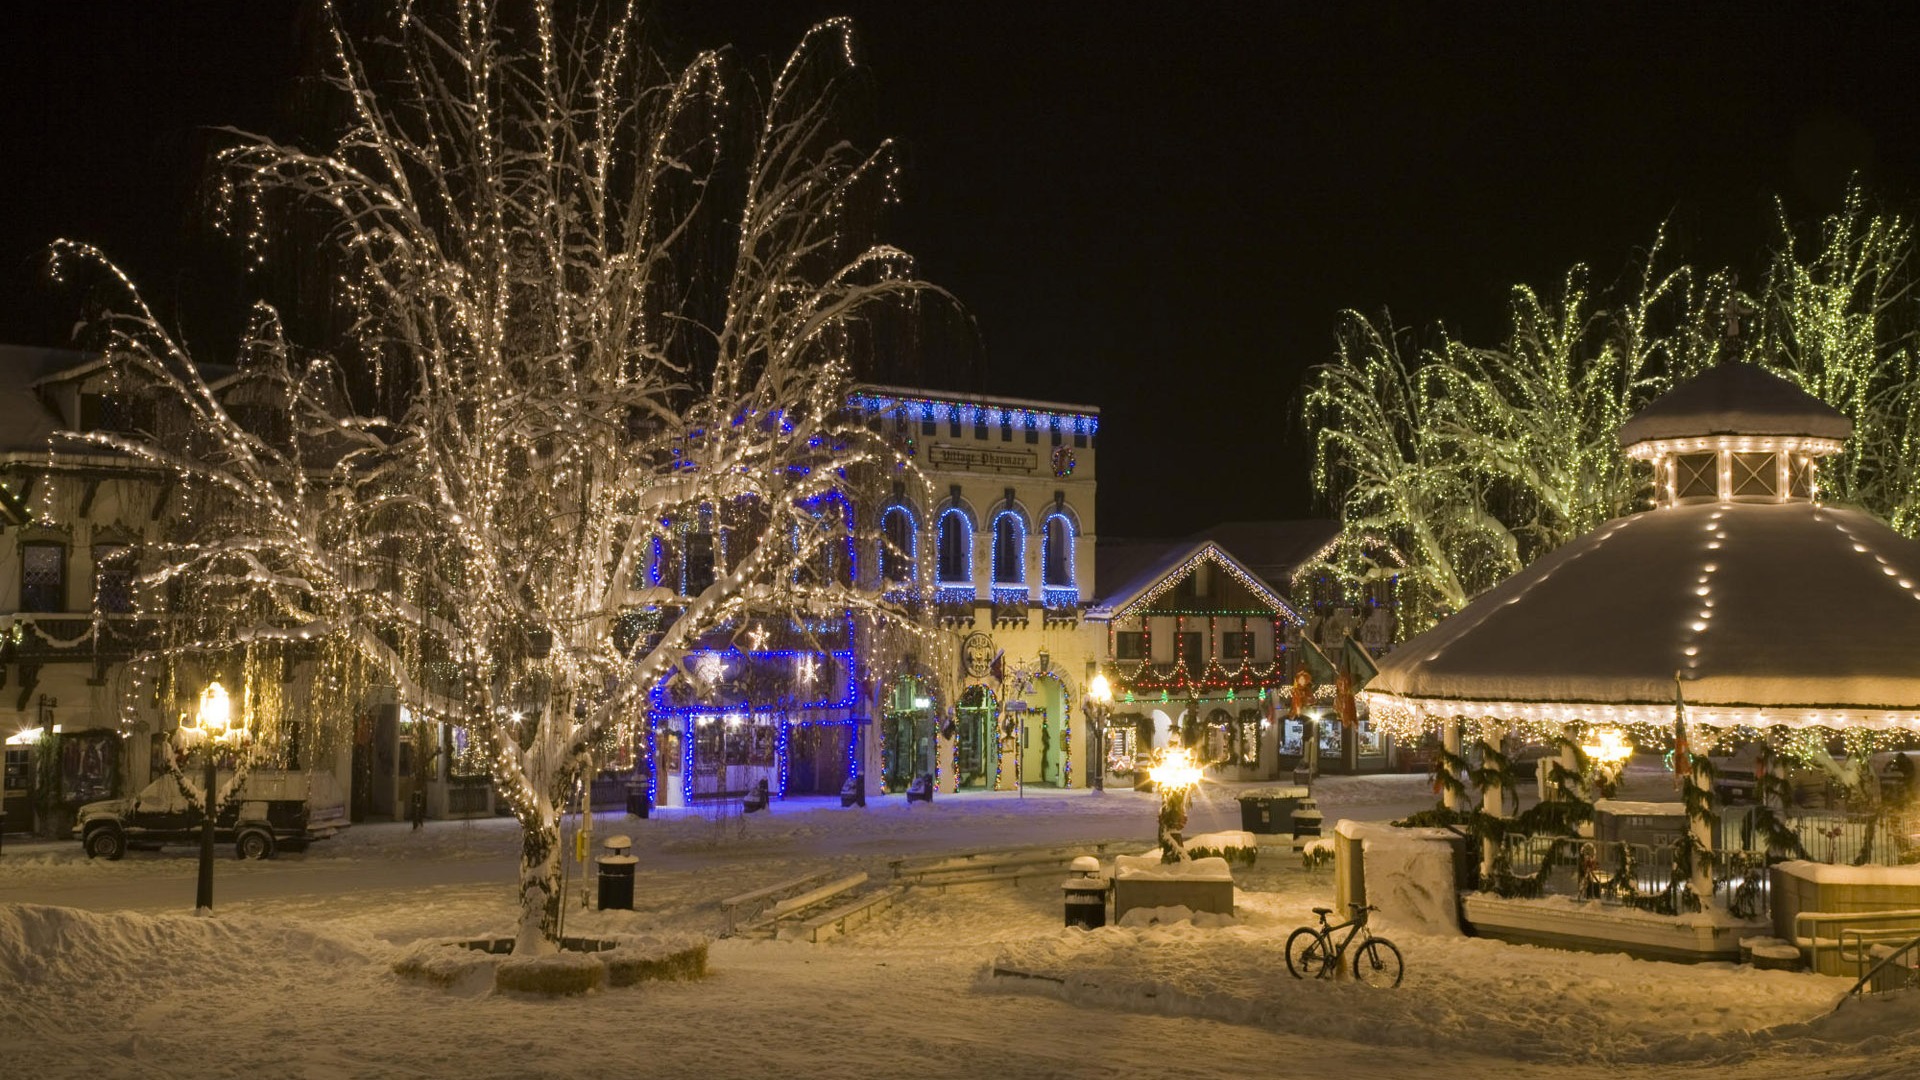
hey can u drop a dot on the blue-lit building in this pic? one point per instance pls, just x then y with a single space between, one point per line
999 532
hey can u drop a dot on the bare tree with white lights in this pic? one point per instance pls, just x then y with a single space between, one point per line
600 316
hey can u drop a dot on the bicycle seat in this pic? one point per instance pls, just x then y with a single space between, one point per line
1323 911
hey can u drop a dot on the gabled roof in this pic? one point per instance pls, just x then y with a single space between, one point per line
1735 399
1276 550
1146 568
26 423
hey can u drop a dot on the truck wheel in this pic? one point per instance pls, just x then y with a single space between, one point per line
254 844
105 842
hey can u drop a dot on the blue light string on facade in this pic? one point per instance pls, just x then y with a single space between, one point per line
927 410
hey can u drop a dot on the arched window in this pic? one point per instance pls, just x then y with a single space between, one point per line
1009 549
1056 553
956 548
899 545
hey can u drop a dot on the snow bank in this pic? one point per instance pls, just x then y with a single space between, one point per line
1462 996
1832 874
1140 918
39 943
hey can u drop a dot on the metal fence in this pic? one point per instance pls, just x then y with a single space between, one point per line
1642 875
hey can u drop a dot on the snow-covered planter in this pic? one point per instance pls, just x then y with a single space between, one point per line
582 964
553 975
1235 846
1199 885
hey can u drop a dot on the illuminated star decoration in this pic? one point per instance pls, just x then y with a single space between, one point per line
757 637
809 669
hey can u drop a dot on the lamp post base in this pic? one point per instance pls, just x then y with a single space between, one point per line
204 900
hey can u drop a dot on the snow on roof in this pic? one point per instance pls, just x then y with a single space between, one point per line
1138 566
1735 399
26 423
1778 613
1275 550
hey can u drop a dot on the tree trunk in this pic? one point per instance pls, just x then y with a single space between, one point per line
539 929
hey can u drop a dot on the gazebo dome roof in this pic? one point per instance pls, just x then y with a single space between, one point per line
1787 613
1735 399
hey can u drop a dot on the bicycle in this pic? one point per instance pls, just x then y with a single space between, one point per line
1312 952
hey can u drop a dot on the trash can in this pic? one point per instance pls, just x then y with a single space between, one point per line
1085 894
616 874
1269 811
853 792
1302 776
1306 819
637 802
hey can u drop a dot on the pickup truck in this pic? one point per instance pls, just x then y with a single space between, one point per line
276 811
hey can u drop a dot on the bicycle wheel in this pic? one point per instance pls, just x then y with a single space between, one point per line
1377 963
1309 954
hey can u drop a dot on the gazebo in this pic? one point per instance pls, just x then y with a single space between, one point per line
1740 607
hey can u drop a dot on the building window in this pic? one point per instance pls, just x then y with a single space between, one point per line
699 564
1755 474
956 548
1193 652
1129 645
1800 477
899 550
1006 429
953 424
113 578
1236 645
1056 553
928 426
1695 476
979 427
1055 434
1080 440
43 577
1033 434
1009 549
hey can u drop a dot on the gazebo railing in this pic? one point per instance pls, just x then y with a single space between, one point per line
1623 874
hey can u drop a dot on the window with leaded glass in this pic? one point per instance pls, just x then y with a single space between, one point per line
43 577
113 578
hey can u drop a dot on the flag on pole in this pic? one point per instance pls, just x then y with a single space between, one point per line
1682 754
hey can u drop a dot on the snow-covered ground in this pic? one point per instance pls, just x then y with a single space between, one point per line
103 973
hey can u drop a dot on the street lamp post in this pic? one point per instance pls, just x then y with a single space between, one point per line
214 715
1099 700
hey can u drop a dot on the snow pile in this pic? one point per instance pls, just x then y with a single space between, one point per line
53 945
1143 917
1464 996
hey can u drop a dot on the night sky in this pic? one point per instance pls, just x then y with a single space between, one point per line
1158 208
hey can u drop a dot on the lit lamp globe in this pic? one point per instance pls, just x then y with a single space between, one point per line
1099 691
216 711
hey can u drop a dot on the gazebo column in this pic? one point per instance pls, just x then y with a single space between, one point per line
1450 742
1570 761
1493 798
1698 794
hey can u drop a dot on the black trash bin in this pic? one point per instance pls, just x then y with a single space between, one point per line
637 802
616 874
1085 894
1269 811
